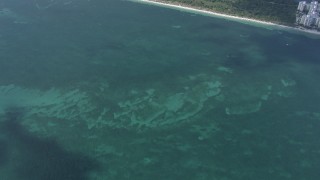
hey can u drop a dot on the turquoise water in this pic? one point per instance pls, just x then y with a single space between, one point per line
96 90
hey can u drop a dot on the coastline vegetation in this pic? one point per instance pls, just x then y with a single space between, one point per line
279 11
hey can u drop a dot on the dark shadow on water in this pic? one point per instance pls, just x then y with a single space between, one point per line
39 159
3 153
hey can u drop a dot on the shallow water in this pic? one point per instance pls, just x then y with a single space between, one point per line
98 90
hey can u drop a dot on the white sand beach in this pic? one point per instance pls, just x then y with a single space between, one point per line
202 11
255 22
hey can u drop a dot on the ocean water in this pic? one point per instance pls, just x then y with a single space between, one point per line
115 90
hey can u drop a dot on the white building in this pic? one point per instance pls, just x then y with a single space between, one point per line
302 6
318 22
313 8
308 14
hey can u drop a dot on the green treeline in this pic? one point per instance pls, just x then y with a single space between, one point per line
278 11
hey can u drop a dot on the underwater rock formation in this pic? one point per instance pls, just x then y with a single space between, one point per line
139 109
53 103
157 109
244 108
145 109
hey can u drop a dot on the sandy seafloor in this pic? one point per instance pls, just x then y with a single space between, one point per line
112 90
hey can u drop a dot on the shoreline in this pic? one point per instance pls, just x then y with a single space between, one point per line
228 17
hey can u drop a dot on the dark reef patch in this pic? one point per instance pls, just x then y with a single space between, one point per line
35 158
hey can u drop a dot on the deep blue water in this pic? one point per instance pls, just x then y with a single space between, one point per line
95 90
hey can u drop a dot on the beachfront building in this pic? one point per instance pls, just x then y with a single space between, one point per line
308 15
302 6
318 22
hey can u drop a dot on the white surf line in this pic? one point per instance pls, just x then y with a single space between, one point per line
194 9
231 17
